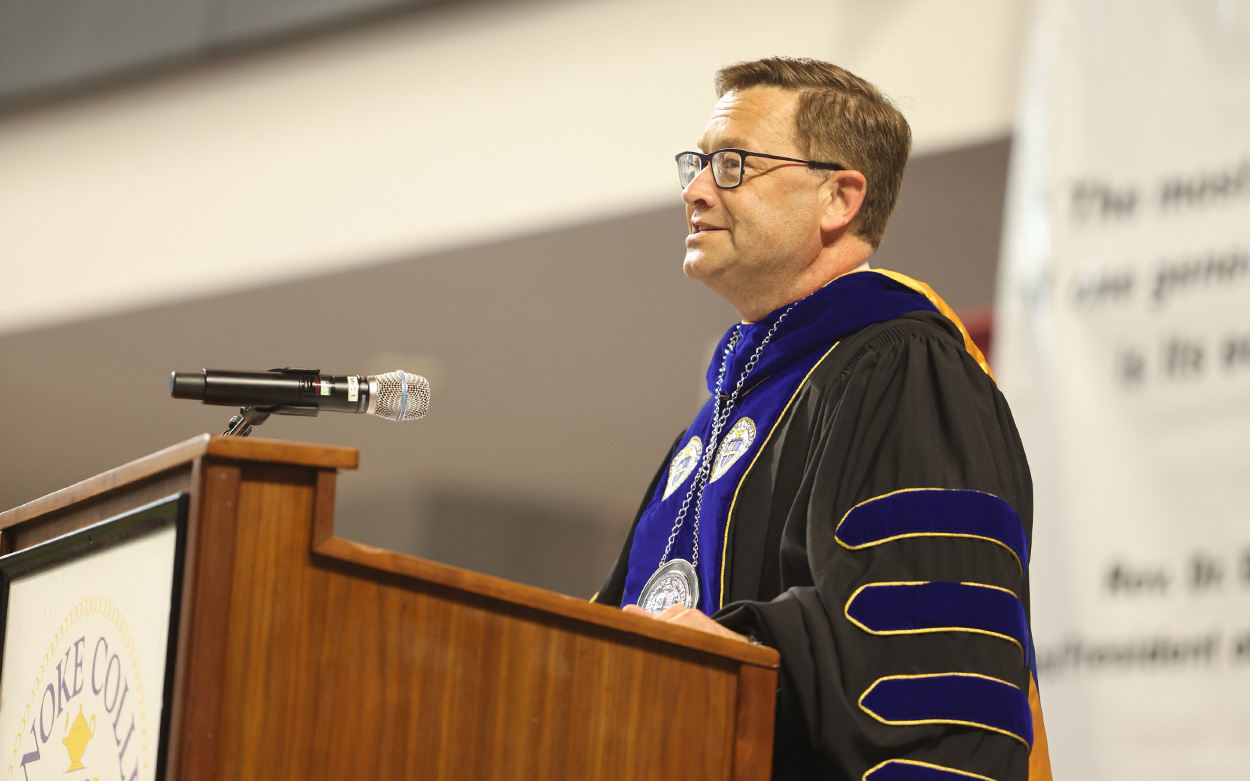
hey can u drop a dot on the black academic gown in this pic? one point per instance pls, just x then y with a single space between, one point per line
898 405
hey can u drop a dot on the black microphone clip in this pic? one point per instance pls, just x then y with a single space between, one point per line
395 396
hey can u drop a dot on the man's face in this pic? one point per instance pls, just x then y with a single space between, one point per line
760 235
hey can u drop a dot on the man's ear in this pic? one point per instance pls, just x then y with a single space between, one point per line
843 194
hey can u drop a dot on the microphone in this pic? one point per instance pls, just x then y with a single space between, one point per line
394 396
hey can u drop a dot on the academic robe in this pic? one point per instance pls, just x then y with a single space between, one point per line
874 530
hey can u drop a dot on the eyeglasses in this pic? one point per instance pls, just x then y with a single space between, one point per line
727 165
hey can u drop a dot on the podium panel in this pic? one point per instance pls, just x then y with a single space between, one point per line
86 625
297 654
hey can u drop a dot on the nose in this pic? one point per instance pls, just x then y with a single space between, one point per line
702 189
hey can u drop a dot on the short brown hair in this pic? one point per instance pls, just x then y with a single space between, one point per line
840 119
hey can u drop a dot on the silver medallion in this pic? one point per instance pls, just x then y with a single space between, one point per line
674 583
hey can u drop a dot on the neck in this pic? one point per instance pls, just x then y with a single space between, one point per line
826 268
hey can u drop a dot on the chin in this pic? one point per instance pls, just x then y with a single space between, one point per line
697 266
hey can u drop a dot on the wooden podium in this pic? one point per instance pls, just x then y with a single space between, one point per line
301 655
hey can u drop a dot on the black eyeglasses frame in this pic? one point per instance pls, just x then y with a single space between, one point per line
706 158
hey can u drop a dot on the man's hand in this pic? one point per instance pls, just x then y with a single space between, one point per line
684 616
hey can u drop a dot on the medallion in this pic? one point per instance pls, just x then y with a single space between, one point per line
674 583
683 464
736 442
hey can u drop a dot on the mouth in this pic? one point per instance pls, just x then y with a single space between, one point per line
698 233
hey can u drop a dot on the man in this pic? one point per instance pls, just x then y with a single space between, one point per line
854 494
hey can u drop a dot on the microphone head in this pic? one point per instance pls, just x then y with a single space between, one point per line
399 396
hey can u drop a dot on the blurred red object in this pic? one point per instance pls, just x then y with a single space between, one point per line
980 325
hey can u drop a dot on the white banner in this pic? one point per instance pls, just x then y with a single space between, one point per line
82 681
1123 345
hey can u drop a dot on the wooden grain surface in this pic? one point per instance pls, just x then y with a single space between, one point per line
200 661
181 455
282 452
94 488
87 508
756 709
302 655
337 667
432 573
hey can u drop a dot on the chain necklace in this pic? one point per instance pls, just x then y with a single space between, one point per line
676 582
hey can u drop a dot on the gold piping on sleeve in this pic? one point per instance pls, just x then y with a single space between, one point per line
884 540
724 548
963 773
846 611
961 722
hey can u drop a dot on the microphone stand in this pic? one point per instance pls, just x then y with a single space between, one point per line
241 425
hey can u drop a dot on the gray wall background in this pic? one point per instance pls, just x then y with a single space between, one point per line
54 46
562 365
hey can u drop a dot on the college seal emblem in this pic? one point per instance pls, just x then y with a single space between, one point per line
683 464
736 442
